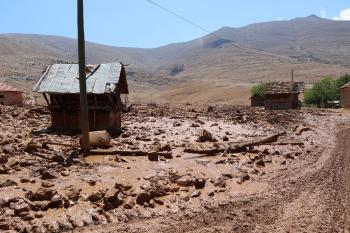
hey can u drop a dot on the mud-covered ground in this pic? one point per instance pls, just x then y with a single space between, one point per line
295 184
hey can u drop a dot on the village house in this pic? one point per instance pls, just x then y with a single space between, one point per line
10 95
257 100
105 83
282 95
345 96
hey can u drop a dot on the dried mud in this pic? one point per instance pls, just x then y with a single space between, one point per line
298 184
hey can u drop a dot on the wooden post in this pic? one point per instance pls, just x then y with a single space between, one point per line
84 115
292 76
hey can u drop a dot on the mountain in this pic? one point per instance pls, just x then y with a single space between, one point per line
204 69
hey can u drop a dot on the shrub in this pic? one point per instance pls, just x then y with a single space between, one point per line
325 90
258 90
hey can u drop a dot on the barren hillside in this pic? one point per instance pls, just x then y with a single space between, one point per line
205 69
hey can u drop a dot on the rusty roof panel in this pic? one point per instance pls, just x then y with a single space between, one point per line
63 78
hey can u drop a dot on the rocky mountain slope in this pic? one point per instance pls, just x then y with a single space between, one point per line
312 46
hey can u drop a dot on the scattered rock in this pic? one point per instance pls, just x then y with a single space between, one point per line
3 159
205 136
48 175
142 198
8 183
74 194
42 194
129 203
153 157
96 196
260 163
111 200
196 193
65 173
243 178
185 181
47 184
92 182
199 183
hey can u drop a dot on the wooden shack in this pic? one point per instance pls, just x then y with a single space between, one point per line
282 95
257 101
345 96
10 95
105 83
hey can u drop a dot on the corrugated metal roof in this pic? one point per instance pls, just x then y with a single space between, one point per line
5 87
64 78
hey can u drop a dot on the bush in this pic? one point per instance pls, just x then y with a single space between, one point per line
325 90
258 90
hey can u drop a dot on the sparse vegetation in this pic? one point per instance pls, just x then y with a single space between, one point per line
328 89
258 90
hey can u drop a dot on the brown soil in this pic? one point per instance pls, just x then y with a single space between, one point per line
269 188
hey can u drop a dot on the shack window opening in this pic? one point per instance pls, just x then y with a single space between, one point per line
1 96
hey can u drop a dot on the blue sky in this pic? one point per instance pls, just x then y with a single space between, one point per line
137 23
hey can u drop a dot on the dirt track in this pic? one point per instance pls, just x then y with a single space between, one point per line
313 199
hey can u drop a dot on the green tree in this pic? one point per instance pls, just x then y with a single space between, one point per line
323 91
258 90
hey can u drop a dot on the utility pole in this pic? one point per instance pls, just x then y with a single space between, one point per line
292 75
84 115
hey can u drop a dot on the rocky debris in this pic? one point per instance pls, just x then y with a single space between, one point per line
48 175
8 183
199 183
153 157
129 203
165 147
3 159
260 163
42 194
177 124
220 182
29 145
143 197
111 200
185 181
65 173
122 187
205 136
196 193
47 184
96 196
73 194
19 206
243 178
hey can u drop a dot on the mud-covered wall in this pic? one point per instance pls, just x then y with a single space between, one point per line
345 97
11 98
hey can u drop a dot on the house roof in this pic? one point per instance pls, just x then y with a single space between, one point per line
5 87
64 79
283 87
346 86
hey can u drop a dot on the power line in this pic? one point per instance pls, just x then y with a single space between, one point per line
187 20
234 43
